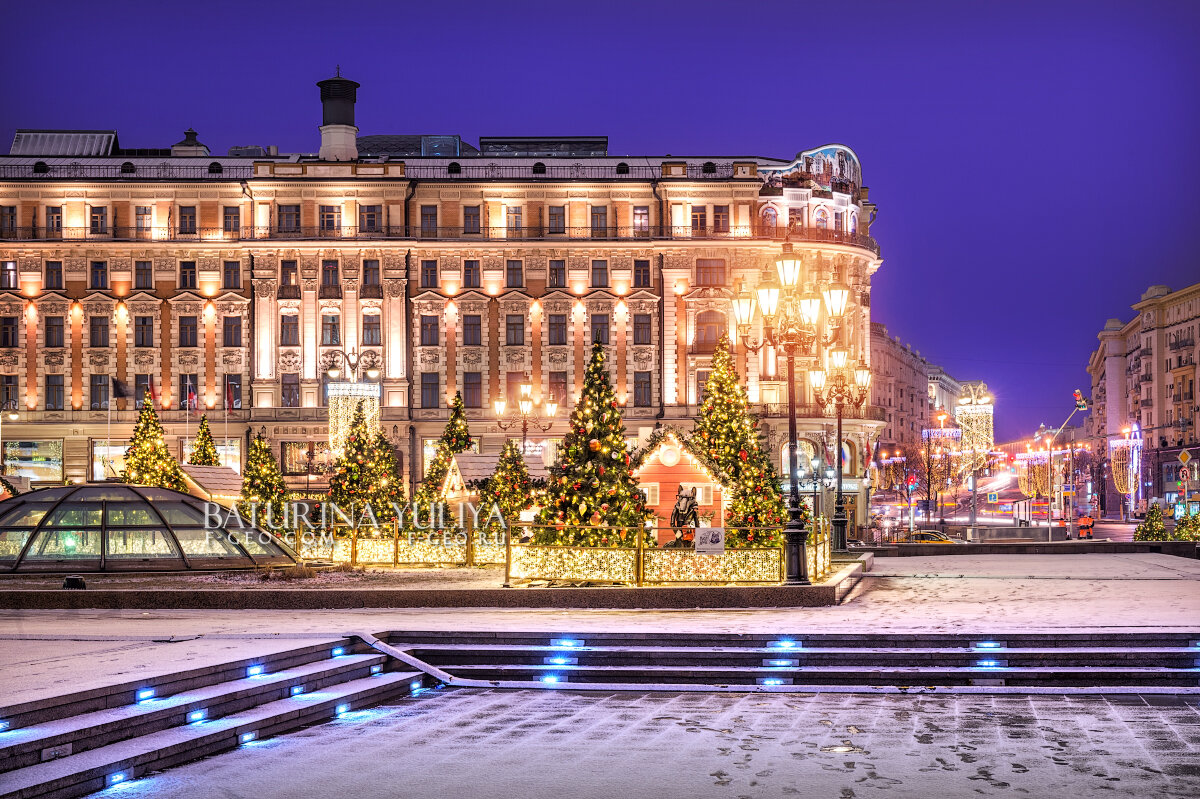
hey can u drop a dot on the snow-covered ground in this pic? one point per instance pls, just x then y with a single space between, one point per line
479 744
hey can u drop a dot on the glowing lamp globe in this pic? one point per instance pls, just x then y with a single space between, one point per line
788 266
836 295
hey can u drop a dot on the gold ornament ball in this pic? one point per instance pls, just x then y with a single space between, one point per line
594 445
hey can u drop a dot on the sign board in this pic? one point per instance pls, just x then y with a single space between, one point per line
710 540
1184 475
1185 457
994 497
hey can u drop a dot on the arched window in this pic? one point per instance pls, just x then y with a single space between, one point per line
853 223
709 327
709 168
454 168
822 219
770 218
806 455
128 168
847 459
539 168
622 168
41 168
215 168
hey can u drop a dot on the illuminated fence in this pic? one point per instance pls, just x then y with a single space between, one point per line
529 563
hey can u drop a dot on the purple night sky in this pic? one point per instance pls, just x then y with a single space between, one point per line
1016 150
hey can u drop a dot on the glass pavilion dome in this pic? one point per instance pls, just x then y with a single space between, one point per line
114 526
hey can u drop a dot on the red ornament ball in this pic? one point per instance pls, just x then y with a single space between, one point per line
594 445
743 455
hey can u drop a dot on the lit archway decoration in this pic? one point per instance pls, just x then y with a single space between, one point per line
974 416
1125 461
343 399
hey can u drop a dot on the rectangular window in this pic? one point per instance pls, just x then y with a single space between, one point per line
642 394
289 330
99 274
641 274
231 219
329 273
514 272
429 331
372 331
470 219
53 220
8 331
231 275
557 218
231 331
599 220
98 392
429 274
289 218
290 394
641 220
370 218
98 331
331 330
721 218
143 331
54 392
189 392
54 331
472 330
473 389
710 271
650 492
512 386
187 219
141 387
288 273
514 330
370 272
431 389
8 391
600 328
187 274
558 274
143 274
557 329
558 386
470 274
599 273
429 220
641 328
329 217
8 219
699 218
839 220
8 275
233 392
187 331
99 219
54 275
513 218
143 218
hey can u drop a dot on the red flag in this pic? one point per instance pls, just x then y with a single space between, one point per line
192 405
228 396
153 391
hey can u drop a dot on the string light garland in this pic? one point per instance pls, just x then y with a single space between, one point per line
344 400
147 460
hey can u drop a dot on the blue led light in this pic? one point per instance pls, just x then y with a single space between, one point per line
779 662
197 715
247 737
377 668
4 725
987 664
560 661
338 651
255 671
415 685
784 644
297 690
116 777
772 681
567 643
342 709
988 645
145 694
551 679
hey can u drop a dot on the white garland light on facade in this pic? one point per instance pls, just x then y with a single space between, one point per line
343 399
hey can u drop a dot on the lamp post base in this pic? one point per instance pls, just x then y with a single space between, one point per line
840 522
796 550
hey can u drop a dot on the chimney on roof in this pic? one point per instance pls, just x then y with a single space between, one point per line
190 145
338 133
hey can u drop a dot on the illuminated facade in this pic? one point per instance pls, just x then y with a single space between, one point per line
420 263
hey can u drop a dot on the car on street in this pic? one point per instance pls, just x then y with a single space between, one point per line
928 537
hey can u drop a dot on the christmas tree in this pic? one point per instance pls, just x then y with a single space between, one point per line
457 436
365 474
509 488
1188 528
593 498
147 460
1152 529
204 451
726 432
263 489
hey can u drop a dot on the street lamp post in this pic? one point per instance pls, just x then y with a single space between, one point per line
525 415
838 390
792 321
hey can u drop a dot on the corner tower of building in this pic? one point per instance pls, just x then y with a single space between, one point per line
338 132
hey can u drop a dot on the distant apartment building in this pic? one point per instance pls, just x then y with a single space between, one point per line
907 388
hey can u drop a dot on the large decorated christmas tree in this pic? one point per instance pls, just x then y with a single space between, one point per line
509 488
726 432
147 460
204 451
1152 529
264 494
365 475
592 498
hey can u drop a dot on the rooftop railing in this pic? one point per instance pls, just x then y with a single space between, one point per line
130 171
809 411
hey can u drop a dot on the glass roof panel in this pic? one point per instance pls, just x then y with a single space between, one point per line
25 514
12 542
140 544
131 513
75 514
65 545
198 542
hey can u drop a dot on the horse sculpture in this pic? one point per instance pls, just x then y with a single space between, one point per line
685 514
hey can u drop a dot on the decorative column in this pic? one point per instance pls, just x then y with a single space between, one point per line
451 364
535 325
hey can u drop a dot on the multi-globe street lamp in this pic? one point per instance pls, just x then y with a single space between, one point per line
525 414
793 322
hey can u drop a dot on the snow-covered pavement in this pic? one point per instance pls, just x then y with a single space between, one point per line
482 744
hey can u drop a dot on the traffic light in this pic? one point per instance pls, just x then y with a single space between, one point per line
1080 402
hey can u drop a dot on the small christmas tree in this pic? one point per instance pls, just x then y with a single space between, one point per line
263 489
364 475
457 435
592 498
147 460
456 438
509 488
1152 529
727 433
1188 528
204 451
391 481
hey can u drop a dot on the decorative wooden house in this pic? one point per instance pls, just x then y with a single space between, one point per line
666 463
